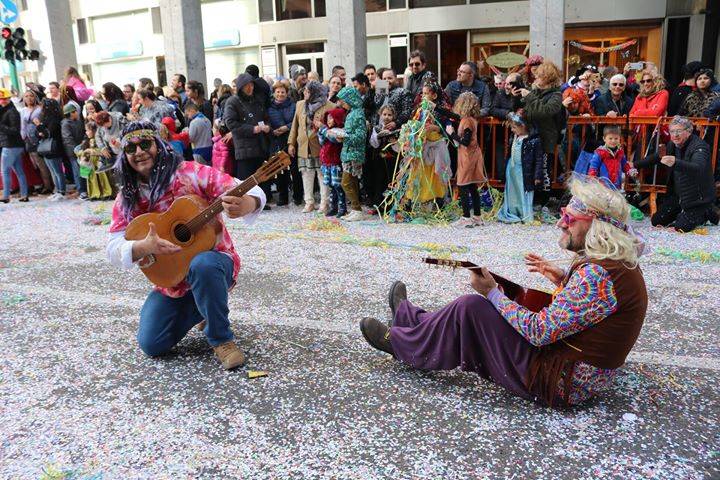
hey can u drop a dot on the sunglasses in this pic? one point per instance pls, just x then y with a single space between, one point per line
131 148
415 64
569 218
617 84
646 81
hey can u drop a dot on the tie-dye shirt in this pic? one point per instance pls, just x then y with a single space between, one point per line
587 298
191 178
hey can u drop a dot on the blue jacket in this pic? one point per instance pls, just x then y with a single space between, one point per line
713 111
481 91
280 114
605 103
534 162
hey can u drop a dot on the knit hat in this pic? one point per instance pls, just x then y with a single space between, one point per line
5 93
253 70
69 108
242 80
296 70
338 115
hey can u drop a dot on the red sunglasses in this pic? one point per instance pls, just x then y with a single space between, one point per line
569 218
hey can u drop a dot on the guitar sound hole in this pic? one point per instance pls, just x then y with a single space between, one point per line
182 233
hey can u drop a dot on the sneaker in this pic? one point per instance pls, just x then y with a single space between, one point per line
56 196
377 334
355 216
230 355
309 207
464 222
83 196
477 220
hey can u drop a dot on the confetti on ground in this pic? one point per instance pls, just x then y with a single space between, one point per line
81 402
256 374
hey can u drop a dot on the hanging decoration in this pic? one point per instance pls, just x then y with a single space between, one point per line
613 48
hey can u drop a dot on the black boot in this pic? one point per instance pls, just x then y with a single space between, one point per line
377 334
333 210
398 293
342 207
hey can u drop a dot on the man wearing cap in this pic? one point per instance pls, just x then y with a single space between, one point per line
72 130
298 79
565 353
152 176
12 147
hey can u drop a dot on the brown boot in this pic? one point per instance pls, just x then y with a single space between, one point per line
376 334
230 355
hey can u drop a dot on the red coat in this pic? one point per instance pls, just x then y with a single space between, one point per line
653 106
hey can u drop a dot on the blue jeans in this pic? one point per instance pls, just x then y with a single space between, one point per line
11 159
164 321
56 171
80 183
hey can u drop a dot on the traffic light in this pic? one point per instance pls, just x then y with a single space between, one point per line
16 45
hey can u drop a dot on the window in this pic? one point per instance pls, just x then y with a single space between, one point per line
265 10
375 6
435 3
86 71
156 20
82 30
320 9
398 54
291 9
428 44
394 4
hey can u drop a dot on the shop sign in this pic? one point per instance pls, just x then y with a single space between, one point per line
222 38
110 51
506 59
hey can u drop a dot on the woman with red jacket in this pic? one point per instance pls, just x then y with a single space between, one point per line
652 101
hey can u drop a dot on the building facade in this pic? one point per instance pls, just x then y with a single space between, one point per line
122 41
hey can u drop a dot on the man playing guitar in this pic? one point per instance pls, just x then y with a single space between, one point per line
152 176
561 355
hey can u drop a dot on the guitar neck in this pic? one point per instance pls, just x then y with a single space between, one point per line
216 206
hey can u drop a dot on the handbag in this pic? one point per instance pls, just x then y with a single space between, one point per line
47 147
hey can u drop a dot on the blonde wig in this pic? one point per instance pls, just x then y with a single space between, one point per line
609 237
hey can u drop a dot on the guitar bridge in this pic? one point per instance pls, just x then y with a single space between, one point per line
146 261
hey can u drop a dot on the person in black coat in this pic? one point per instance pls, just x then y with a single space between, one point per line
51 146
615 102
72 130
246 118
13 147
690 187
115 99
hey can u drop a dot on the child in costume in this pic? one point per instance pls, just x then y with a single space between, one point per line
384 153
471 164
222 153
330 135
178 141
90 159
524 173
429 179
609 159
352 155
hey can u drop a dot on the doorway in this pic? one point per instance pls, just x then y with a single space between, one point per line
309 55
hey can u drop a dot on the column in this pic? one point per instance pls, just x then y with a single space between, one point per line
547 30
52 34
183 39
695 37
347 37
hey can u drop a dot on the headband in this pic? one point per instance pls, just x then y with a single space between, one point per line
579 206
136 135
515 118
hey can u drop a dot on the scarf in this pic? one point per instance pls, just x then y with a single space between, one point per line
317 98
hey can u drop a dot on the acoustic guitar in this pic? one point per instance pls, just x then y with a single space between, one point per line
190 223
534 300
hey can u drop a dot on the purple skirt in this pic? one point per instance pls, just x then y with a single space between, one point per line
468 333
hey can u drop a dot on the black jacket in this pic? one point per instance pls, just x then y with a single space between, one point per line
241 114
677 98
50 128
605 103
503 104
691 178
119 106
10 127
73 133
546 113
